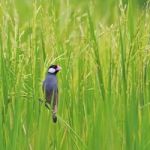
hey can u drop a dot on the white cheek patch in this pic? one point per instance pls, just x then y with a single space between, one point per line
51 70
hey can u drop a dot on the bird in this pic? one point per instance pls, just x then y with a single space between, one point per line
50 89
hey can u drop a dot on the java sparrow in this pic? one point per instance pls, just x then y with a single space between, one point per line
50 89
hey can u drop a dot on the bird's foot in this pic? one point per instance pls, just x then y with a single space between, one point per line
47 105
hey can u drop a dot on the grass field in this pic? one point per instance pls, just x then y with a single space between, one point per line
103 48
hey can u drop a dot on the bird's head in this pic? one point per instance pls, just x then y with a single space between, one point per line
53 69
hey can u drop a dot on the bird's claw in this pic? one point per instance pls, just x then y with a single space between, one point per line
47 105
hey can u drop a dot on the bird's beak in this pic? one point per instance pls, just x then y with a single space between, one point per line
58 68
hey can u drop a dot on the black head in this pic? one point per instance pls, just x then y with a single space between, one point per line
53 69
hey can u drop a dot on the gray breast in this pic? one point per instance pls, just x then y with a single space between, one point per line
50 83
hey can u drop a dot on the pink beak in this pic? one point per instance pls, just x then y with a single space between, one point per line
58 68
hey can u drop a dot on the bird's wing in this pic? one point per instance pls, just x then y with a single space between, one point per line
48 96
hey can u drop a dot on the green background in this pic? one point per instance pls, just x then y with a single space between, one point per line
103 48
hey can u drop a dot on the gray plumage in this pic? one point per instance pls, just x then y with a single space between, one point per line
50 89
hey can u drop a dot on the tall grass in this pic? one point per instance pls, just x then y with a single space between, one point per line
104 86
